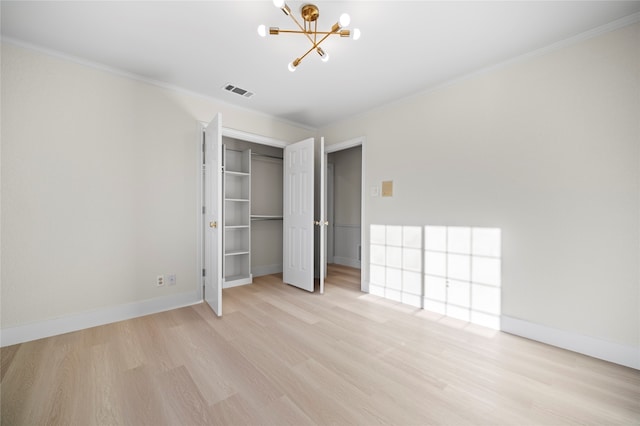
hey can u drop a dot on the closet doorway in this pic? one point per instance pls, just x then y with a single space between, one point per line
345 205
227 243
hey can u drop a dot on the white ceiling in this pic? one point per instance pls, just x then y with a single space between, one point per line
406 47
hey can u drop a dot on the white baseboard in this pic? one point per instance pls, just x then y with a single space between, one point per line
25 333
258 271
628 356
345 261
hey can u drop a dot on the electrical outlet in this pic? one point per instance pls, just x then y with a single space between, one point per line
172 279
160 280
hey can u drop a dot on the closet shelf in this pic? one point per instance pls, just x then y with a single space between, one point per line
242 200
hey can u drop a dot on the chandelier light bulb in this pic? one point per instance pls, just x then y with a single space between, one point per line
345 20
262 30
291 67
355 34
324 56
278 3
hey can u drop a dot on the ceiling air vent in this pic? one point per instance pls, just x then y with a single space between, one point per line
237 90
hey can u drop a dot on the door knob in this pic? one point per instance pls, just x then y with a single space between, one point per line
213 224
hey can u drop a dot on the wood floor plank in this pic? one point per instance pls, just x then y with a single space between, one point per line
284 412
19 385
234 410
283 356
181 398
103 399
139 398
7 355
195 348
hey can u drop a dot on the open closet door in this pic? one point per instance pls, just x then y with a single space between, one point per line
298 199
213 220
323 223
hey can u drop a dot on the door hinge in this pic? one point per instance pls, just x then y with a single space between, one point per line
204 209
204 272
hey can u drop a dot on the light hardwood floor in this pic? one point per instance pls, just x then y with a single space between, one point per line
282 356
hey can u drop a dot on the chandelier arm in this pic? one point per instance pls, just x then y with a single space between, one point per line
315 46
323 39
307 52
302 30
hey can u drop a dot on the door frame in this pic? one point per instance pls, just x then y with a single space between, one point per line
231 133
364 253
330 212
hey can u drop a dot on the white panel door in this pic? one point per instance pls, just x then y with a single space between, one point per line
298 198
323 222
213 219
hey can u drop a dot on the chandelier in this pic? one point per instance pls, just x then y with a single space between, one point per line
310 14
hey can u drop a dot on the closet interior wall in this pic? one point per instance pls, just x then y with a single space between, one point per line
266 205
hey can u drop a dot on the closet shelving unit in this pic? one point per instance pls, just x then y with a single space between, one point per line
237 217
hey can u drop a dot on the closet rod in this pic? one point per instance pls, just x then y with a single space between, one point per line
259 217
257 154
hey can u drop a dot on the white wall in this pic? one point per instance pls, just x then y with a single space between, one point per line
100 180
548 150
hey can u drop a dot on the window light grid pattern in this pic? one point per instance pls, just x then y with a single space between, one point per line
462 273
396 263
451 270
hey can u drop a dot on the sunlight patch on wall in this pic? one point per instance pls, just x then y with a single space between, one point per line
462 276
451 270
396 265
